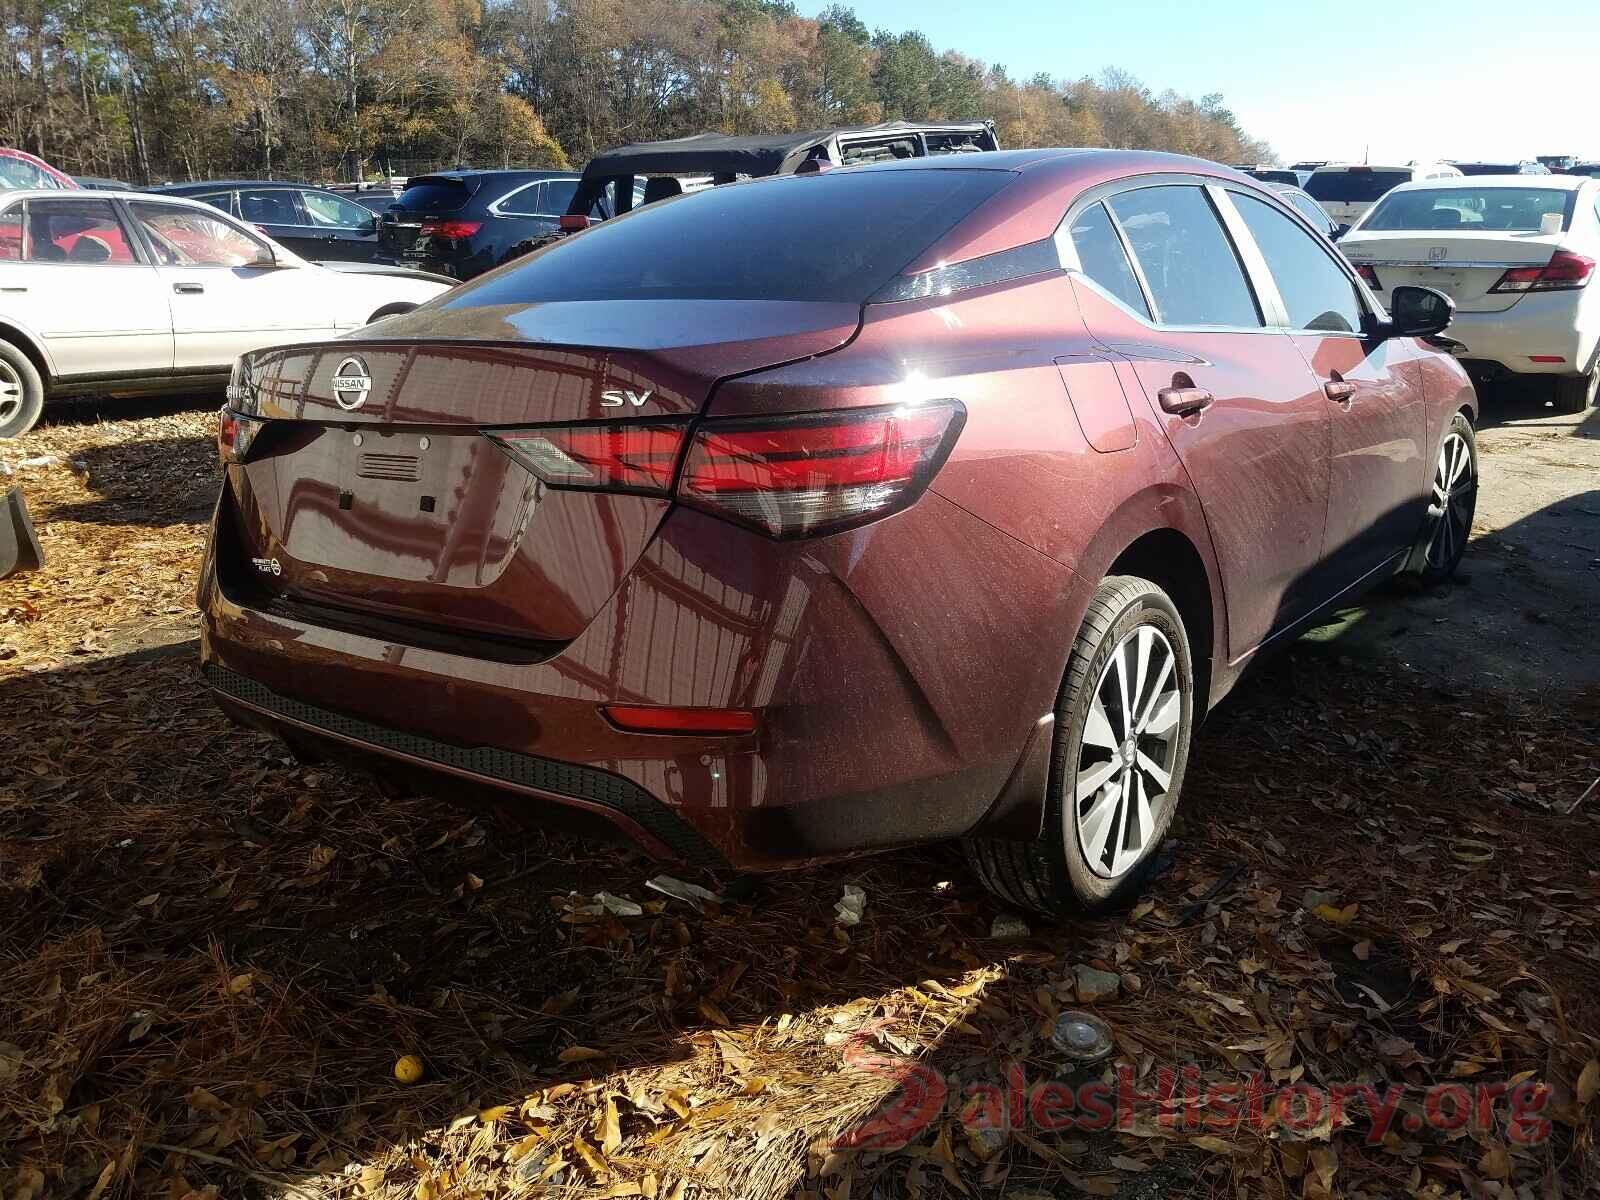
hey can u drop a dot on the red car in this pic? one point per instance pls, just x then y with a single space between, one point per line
810 516
21 170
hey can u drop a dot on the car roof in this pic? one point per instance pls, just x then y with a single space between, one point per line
1330 168
1566 183
82 194
493 173
207 185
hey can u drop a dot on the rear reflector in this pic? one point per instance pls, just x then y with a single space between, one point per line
615 457
1564 272
792 476
1546 358
450 229
647 718
1369 276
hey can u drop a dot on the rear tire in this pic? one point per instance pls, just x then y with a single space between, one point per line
1114 782
21 392
1451 505
1576 393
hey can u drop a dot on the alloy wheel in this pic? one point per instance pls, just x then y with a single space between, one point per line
1128 752
10 392
1454 489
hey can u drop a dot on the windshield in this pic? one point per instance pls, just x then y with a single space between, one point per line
1509 210
1354 187
834 237
19 173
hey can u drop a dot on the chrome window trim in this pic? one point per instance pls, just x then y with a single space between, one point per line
495 208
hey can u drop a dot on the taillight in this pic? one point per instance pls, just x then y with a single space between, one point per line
1564 272
449 229
1369 276
610 457
235 433
789 476
786 476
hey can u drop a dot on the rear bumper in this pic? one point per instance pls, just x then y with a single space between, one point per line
1554 325
894 672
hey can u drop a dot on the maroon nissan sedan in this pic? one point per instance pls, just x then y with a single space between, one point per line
799 518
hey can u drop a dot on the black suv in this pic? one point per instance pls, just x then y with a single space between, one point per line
462 223
311 221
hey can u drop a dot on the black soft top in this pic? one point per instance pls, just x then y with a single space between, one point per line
726 155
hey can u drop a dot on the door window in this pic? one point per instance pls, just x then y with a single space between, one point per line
526 201
1192 270
75 231
555 195
1316 293
221 200
1103 259
190 237
270 206
334 212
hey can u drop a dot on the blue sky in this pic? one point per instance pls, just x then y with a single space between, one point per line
1468 79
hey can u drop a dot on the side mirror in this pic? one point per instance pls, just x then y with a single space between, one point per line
373 223
1419 312
1338 232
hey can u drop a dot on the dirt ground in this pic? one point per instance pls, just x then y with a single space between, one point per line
1383 875
1522 611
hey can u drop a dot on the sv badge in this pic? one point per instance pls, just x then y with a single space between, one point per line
621 399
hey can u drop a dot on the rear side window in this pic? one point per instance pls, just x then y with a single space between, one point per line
432 194
222 200
1103 259
834 237
1354 187
1190 266
1316 292
75 231
556 194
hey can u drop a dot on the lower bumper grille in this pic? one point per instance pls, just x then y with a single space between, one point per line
613 792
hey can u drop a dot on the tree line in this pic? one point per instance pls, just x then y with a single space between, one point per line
152 90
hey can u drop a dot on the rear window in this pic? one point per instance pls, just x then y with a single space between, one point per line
834 237
1502 209
1354 187
1276 176
434 195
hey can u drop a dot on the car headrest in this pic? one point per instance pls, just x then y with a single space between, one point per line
661 187
89 249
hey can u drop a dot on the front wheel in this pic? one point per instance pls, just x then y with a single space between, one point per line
1451 504
1123 722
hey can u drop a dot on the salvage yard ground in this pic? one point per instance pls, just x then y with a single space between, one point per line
1384 873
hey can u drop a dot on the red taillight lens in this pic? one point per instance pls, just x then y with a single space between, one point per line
613 457
1564 272
799 475
1369 276
235 433
650 718
449 229
572 222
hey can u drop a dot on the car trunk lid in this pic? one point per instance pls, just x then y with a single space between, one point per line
427 197
1462 264
377 490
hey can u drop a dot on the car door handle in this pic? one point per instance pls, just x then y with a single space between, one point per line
1184 400
1339 390
189 289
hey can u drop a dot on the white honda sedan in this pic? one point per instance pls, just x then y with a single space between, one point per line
118 293
1516 253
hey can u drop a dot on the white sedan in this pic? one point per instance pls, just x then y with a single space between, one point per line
123 292
1516 253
